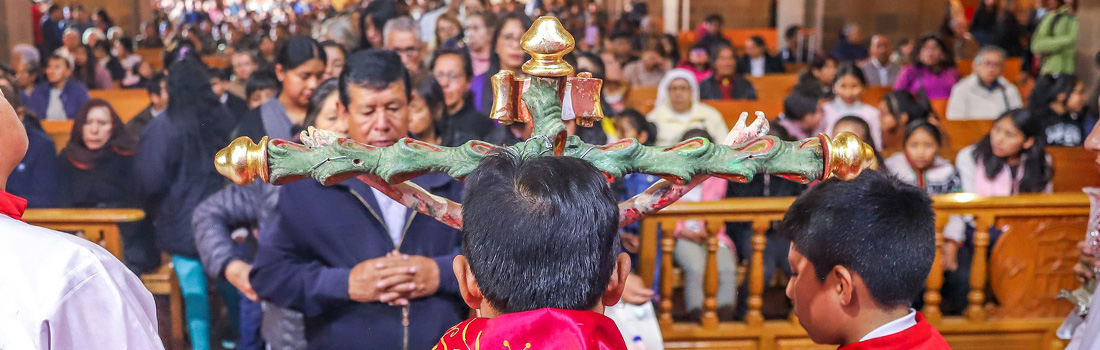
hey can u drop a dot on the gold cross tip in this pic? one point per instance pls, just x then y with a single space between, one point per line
547 42
242 161
847 156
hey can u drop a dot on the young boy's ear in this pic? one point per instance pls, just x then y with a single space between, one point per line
467 284
844 284
618 280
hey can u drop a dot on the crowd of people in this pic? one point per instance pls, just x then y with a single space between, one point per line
305 264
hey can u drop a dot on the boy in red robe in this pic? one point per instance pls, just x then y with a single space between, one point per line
860 252
540 257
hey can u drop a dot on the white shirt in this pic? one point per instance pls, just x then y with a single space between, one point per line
60 291
756 66
893 327
55 109
883 72
393 213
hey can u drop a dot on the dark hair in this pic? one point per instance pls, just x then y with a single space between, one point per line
798 106
849 68
262 79
338 46
916 106
317 101
378 13
926 126
76 150
522 228
53 7
759 41
876 226
807 76
153 86
1040 99
298 49
638 122
494 59
127 44
792 30
1037 174
600 70
467 65
621 34
693 133
948 55
714 17
432 93
373 69
102 14
866 135
55 56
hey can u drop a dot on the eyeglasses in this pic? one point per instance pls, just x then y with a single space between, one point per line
507 38
447 76
406 50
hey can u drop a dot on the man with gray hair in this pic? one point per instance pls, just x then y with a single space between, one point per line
402 35
985 94
25 53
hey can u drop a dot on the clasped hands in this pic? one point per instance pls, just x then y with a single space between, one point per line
394 279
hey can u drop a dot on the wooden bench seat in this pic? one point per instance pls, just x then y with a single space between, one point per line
126 102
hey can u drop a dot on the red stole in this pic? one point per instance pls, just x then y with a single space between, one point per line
920 336
12 206
535 329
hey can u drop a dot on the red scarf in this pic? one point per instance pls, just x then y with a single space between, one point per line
12 206
535 329
921 336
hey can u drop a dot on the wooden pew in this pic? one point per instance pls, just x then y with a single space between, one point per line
872 95
642 98
962 133
737 37
731 109
101 226
1012 68
155 57
1074 168
216 61
773 86
59 131
127 102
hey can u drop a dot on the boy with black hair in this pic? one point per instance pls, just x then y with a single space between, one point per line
540 256
860 252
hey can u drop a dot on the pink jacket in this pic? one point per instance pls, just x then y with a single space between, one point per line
713 189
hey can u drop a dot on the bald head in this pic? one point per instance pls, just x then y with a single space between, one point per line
14 141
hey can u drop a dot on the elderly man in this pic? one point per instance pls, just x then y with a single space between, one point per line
402 35
878 69
985 94
61 291
367 272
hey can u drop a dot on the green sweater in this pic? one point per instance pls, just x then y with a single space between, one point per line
1056 46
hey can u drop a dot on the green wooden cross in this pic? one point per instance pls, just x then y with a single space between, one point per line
746 151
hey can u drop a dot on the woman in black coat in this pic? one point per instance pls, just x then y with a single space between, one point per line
96 169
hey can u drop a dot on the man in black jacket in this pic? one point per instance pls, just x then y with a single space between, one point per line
756 61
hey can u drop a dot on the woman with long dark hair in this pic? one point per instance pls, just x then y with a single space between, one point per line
299 65
505 54
1010 159
95 170
173 172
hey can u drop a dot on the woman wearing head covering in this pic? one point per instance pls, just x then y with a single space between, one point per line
678 109
95 169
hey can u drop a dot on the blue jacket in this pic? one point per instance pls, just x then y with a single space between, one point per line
319 233
36 177
73 95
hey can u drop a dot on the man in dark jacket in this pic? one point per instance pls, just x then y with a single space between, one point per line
35 178
158 104
756 61
59 97
351 259
51 30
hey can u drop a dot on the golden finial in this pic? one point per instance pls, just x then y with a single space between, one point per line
242 161
847 156
547 42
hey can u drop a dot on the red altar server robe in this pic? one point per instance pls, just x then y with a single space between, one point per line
535 329
921 336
